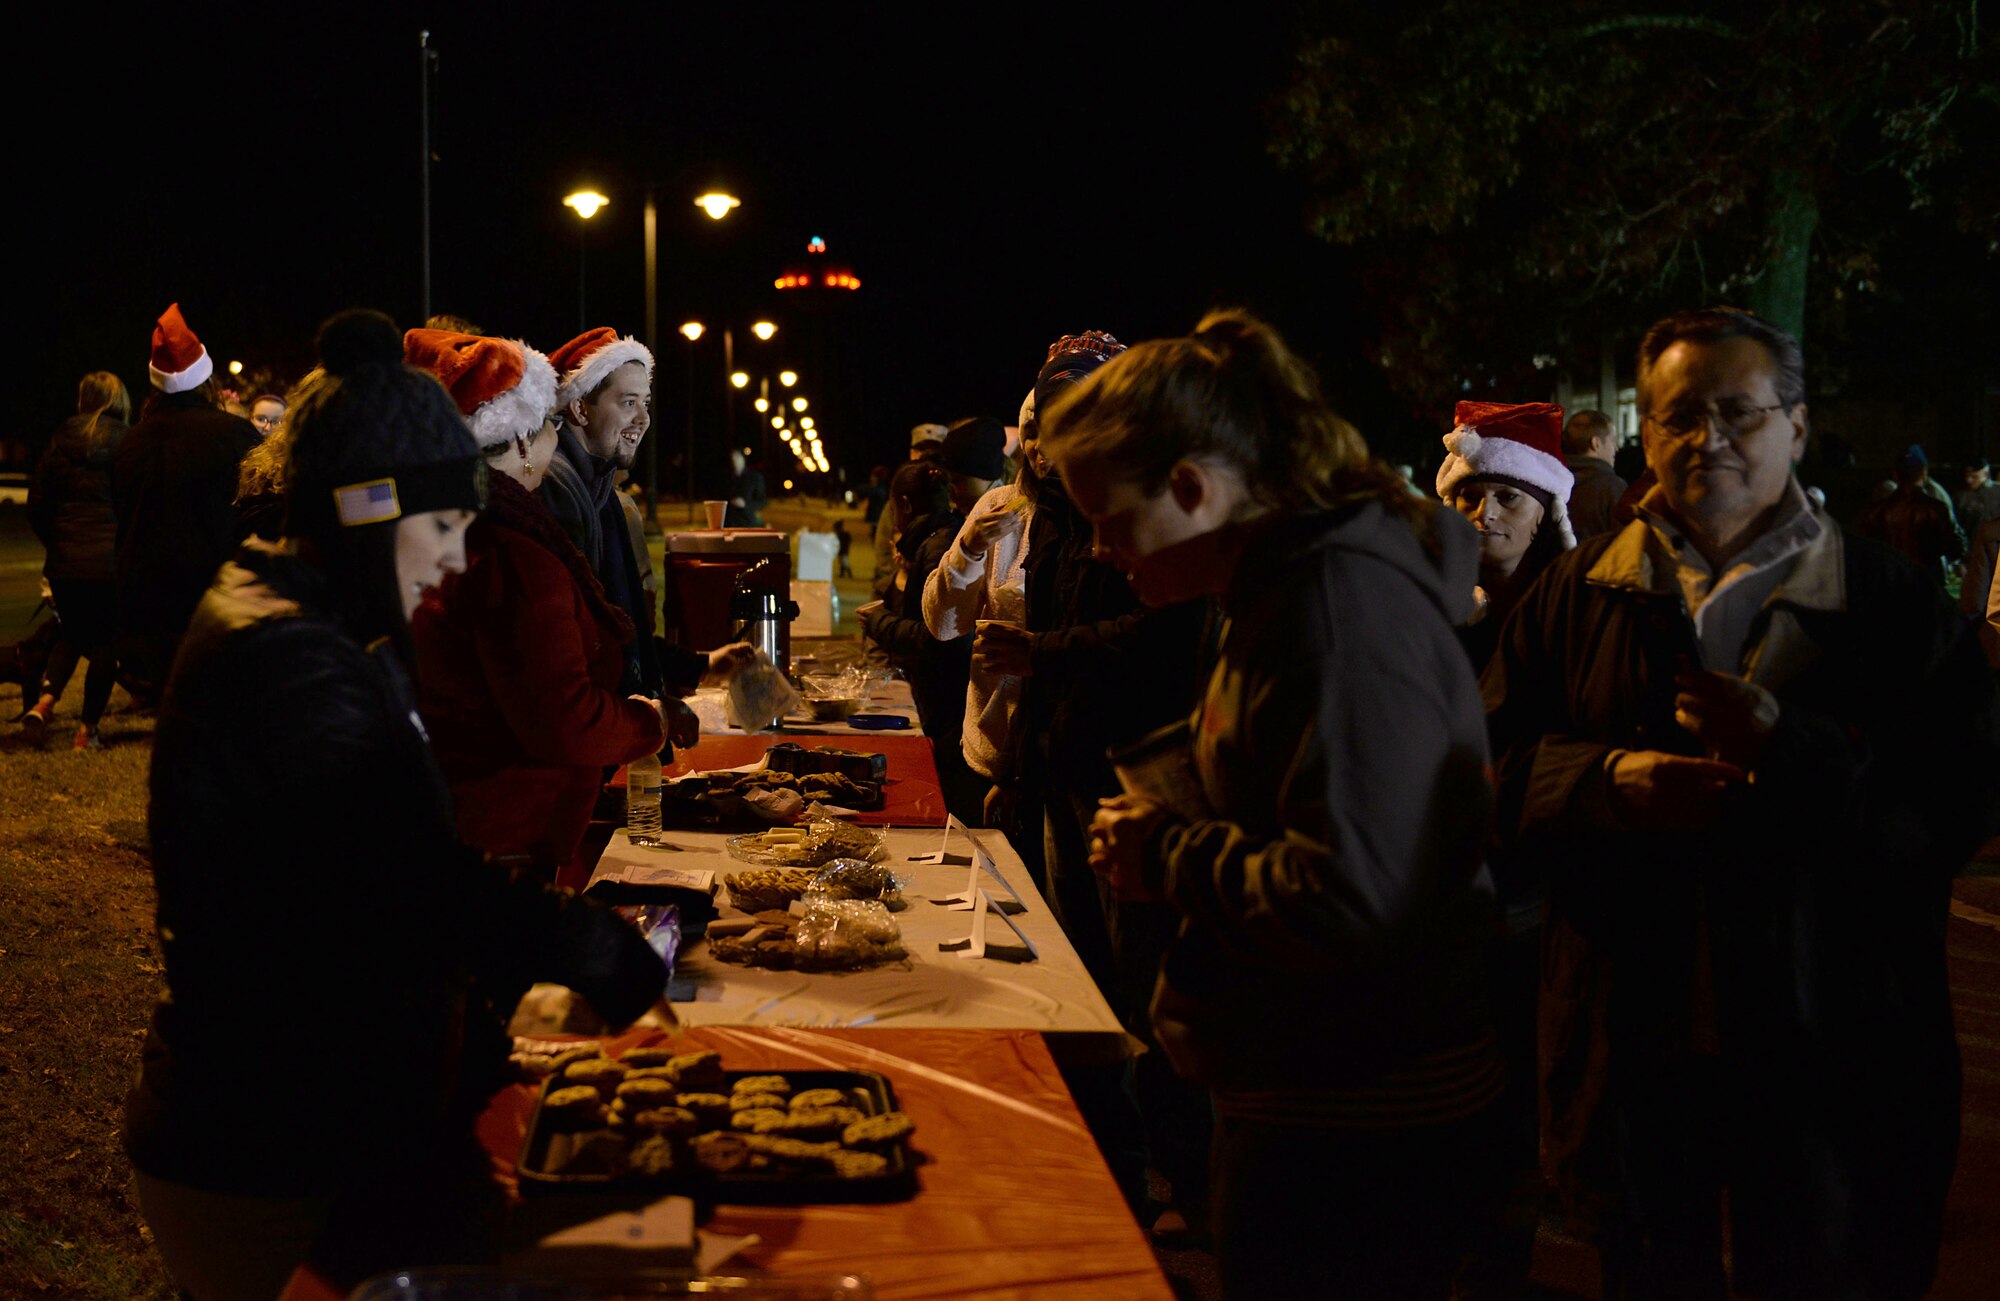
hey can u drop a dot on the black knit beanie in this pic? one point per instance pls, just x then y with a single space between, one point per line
379 440
976 449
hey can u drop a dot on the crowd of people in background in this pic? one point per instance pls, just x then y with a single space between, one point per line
1539 832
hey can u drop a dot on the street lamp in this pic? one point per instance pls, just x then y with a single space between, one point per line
806 422
764 330
798 404
739 379
788 377
692 331
586 204
717 204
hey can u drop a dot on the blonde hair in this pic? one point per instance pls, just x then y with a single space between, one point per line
99 394
1231 391
266 468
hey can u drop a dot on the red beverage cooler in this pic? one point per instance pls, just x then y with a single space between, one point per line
703 571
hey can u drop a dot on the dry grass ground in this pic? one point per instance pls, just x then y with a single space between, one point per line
79 969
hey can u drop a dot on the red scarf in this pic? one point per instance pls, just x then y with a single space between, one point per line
510 506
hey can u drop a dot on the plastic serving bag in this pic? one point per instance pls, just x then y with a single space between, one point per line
854 878
847 934
759 695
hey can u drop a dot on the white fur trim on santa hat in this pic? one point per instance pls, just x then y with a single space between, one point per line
520 411
1471 456
181 381
597 368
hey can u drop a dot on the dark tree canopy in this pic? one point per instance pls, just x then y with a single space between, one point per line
1529 176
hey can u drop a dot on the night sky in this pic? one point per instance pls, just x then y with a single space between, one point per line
995 181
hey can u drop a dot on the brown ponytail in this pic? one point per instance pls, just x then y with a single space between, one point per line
1231 391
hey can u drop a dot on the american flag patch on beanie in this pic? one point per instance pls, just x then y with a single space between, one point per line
367 503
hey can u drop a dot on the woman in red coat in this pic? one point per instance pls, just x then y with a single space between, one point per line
518 658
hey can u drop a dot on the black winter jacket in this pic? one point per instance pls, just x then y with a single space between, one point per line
69 503
173 485
1336 908
338 965
1821 898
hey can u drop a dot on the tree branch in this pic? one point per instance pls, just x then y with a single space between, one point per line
1658 22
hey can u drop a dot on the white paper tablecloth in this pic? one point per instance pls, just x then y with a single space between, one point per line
1052 993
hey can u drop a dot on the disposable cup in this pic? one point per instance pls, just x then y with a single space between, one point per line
715 511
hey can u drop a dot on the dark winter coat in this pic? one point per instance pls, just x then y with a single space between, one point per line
173 488
1593 497
937 670
518 667
1336 908
580 490
1107 670
1917 521
1821 897
69 502
338 964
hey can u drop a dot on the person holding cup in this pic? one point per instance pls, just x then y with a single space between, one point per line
1327 979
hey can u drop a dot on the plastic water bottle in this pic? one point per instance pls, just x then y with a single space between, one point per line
642 800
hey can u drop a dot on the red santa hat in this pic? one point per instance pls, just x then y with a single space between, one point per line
503 388
179 362
1517 441
588 360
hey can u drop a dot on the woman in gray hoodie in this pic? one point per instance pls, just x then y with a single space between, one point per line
1326 980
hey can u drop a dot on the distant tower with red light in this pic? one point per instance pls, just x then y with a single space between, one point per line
823 314
816 272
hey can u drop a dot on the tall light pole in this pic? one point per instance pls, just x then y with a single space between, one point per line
692 332
586 204
429 59
717 205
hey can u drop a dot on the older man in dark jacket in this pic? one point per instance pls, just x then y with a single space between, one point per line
1750 752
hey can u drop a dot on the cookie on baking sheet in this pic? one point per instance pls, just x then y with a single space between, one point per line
637 1095
879 1133
753 1101
671 1122
817 1123
793 1152
859 1165
638 1058
574 1108
720 1153
777 1084
747 1121
600 1073
666 1073
813 1098
712 1108
700 1071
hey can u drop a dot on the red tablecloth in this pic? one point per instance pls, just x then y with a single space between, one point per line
912 797
1014 1199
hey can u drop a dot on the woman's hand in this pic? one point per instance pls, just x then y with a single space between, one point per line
1118 836
1002 647
725 662
680 726
986 526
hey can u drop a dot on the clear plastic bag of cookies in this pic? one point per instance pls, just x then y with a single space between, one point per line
847 934
855 878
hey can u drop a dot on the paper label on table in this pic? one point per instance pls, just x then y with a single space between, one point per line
942 855
658 874
982 861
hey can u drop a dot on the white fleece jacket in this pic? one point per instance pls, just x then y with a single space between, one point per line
992 587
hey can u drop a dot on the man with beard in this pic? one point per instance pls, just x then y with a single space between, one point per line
604 407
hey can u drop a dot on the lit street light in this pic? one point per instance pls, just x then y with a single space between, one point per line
798 404
764 330
236 368
806 422
716 204
762 405
740 379
788 377
692 331
586 204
